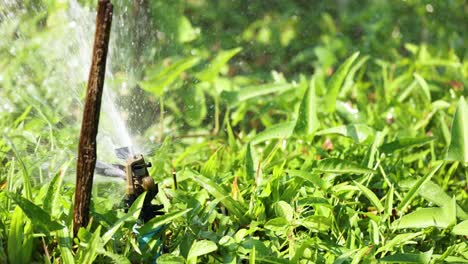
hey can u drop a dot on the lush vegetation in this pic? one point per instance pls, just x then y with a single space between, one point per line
297 132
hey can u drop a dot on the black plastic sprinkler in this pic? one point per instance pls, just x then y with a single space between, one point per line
135 172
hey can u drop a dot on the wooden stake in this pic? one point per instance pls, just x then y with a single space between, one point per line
89 126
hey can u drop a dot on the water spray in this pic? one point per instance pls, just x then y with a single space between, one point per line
135 170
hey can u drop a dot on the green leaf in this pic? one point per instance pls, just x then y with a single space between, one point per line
309 176
461 229
422 258
336 82
194 105
358 132
170 259
339 166
252 255
424 86
307 121
158 221
132 214
215 66
35 213
398 240
371 196
458 148
405 143
277 224
155 83
186 32
200 248
53 192
249 163
433 193
20 239
113 256
417 186
219 193
441 217
65 245
283 209
278 131
234 97
90 252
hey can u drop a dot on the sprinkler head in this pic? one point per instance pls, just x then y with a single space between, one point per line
139 181
135 172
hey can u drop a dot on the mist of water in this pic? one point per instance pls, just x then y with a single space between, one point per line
113 130
64 52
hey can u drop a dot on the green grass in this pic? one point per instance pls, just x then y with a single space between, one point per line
361 161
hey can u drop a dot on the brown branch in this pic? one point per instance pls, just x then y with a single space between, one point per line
89 126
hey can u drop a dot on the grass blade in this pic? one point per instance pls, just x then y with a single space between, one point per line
158 221
336 82
424 86
398 240
90 252
35 213
309 176
249 163
405 143
339 166
416 187
278 131
371 196
246 93
65 245
458 148
422 258
307 121
359 132
219 193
